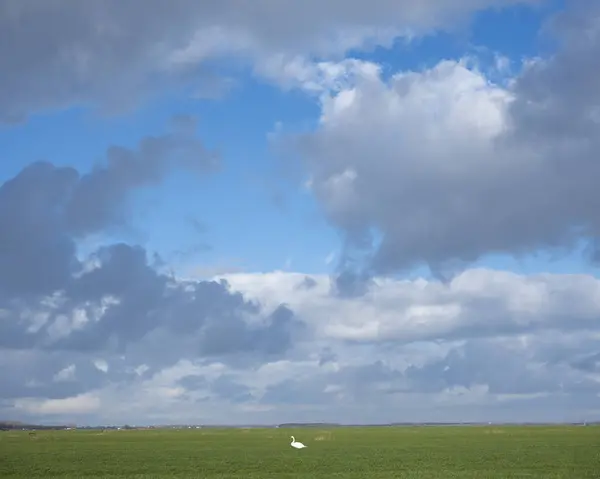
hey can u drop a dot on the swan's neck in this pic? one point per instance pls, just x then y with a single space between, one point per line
293 440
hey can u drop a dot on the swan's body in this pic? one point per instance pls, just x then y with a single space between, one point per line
296 444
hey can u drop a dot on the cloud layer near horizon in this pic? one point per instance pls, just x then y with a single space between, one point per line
488 345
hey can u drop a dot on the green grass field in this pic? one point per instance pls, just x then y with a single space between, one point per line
398 452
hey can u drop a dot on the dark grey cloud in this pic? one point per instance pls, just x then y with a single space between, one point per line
296 392
327 355
307 283
60 310
349 283
275 338
46 208
224 387
588 362
39 374
193 382
558 99
227 388
62 52
143 300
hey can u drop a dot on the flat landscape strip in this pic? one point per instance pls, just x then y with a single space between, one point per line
569 452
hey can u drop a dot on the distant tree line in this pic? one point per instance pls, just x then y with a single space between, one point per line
16 425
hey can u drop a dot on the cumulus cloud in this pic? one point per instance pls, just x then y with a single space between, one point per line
112 53
442 167
488 345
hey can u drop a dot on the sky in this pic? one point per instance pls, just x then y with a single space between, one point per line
264 212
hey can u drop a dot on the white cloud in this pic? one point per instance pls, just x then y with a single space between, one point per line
314 77
330 258
66 374
71 406
101 365
476 303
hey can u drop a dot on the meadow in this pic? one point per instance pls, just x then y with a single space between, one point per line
570 452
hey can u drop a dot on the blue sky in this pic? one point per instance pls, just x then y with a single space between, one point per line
246 192
403 215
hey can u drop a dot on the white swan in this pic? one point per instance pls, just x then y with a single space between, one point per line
297 445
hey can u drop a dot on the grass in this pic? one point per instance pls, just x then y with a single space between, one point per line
361 453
